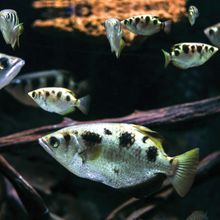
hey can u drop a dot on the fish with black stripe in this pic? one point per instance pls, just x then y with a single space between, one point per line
193 14
213 34
10 66
115 35
119 155
21 85
10 27
146 25
59 100
187 55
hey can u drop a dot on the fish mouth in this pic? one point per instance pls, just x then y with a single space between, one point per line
17 65
9 74
44 144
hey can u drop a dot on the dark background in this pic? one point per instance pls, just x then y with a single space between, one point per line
135 81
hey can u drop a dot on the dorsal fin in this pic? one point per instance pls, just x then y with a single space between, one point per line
153 135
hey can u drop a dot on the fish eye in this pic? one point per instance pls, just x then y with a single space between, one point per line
4 62
54 142
211 32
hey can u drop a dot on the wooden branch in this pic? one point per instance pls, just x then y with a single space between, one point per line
209 166
31 200
162 116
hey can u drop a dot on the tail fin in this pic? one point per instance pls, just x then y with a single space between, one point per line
185 169
84 104
167 26
167 58
19 29
122 45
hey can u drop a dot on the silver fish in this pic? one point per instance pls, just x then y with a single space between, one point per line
114 34
146 25
198 215
10 27
187 55
59 100
213 34
21 85
119 155
193 14
9 68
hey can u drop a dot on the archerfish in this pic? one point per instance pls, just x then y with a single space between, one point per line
213 34
9 68
193 14
187 55
119 155
21 85
10 27
59 100
114 34
146 25
198 215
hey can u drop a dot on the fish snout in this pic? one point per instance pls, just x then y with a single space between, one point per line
44 143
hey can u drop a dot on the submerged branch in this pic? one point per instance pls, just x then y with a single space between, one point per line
31 200
162 116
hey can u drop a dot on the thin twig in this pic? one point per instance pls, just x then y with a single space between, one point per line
31 200
162 116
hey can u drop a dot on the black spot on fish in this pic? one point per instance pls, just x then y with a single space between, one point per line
176 52
35 83
171 161
185 49
33 94
211 32
125 21
4 62
126 139
199 48
130 21
53 92
47 94
39 93
91 138
193 48
67 138
177 47
59 94
116 171
144 139
108 132
152 154
212 49
206 48
137 20
147 19
67 98
155 22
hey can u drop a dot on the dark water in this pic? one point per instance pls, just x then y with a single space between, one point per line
135 81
